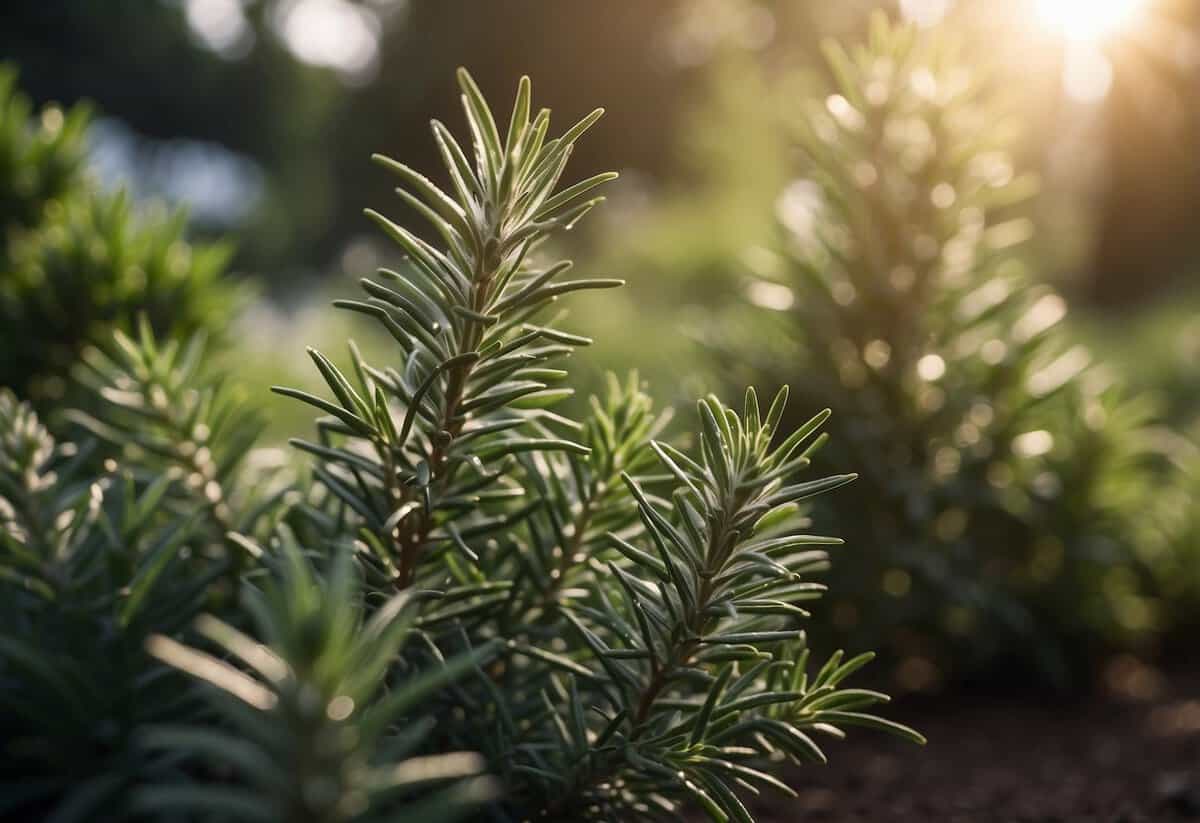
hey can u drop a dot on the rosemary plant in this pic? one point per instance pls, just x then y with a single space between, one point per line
1002 472
88 571
474 607
641 656
312 729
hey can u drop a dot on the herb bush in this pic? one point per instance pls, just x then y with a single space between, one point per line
1003 474
77 263
473 606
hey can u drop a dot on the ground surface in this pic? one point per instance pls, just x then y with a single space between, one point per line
1131 754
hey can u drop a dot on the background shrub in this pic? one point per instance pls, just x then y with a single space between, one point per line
77 263
1004 474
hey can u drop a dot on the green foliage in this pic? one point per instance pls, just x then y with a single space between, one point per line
622 619
476 370
1155 352
584 500
160 410
1001 472
105 545
40 159
312 732
1169 534
76 264
697 678
88 570
610 622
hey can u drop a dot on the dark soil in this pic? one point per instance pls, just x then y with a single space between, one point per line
1130 754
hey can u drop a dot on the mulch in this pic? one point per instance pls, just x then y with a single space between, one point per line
1130 753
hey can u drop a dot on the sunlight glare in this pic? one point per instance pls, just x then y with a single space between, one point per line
335 33
1087 74
1088 20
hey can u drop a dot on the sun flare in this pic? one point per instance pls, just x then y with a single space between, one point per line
1088 20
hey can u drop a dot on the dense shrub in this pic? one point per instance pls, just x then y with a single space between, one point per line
77 263
1004 475
611 623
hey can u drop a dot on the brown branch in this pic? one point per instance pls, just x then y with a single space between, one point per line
410 542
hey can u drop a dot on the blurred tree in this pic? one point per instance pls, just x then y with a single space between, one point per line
1001 477
76 264
260 98
262 103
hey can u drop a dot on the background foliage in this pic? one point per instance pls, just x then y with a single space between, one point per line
1004 475
78 263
